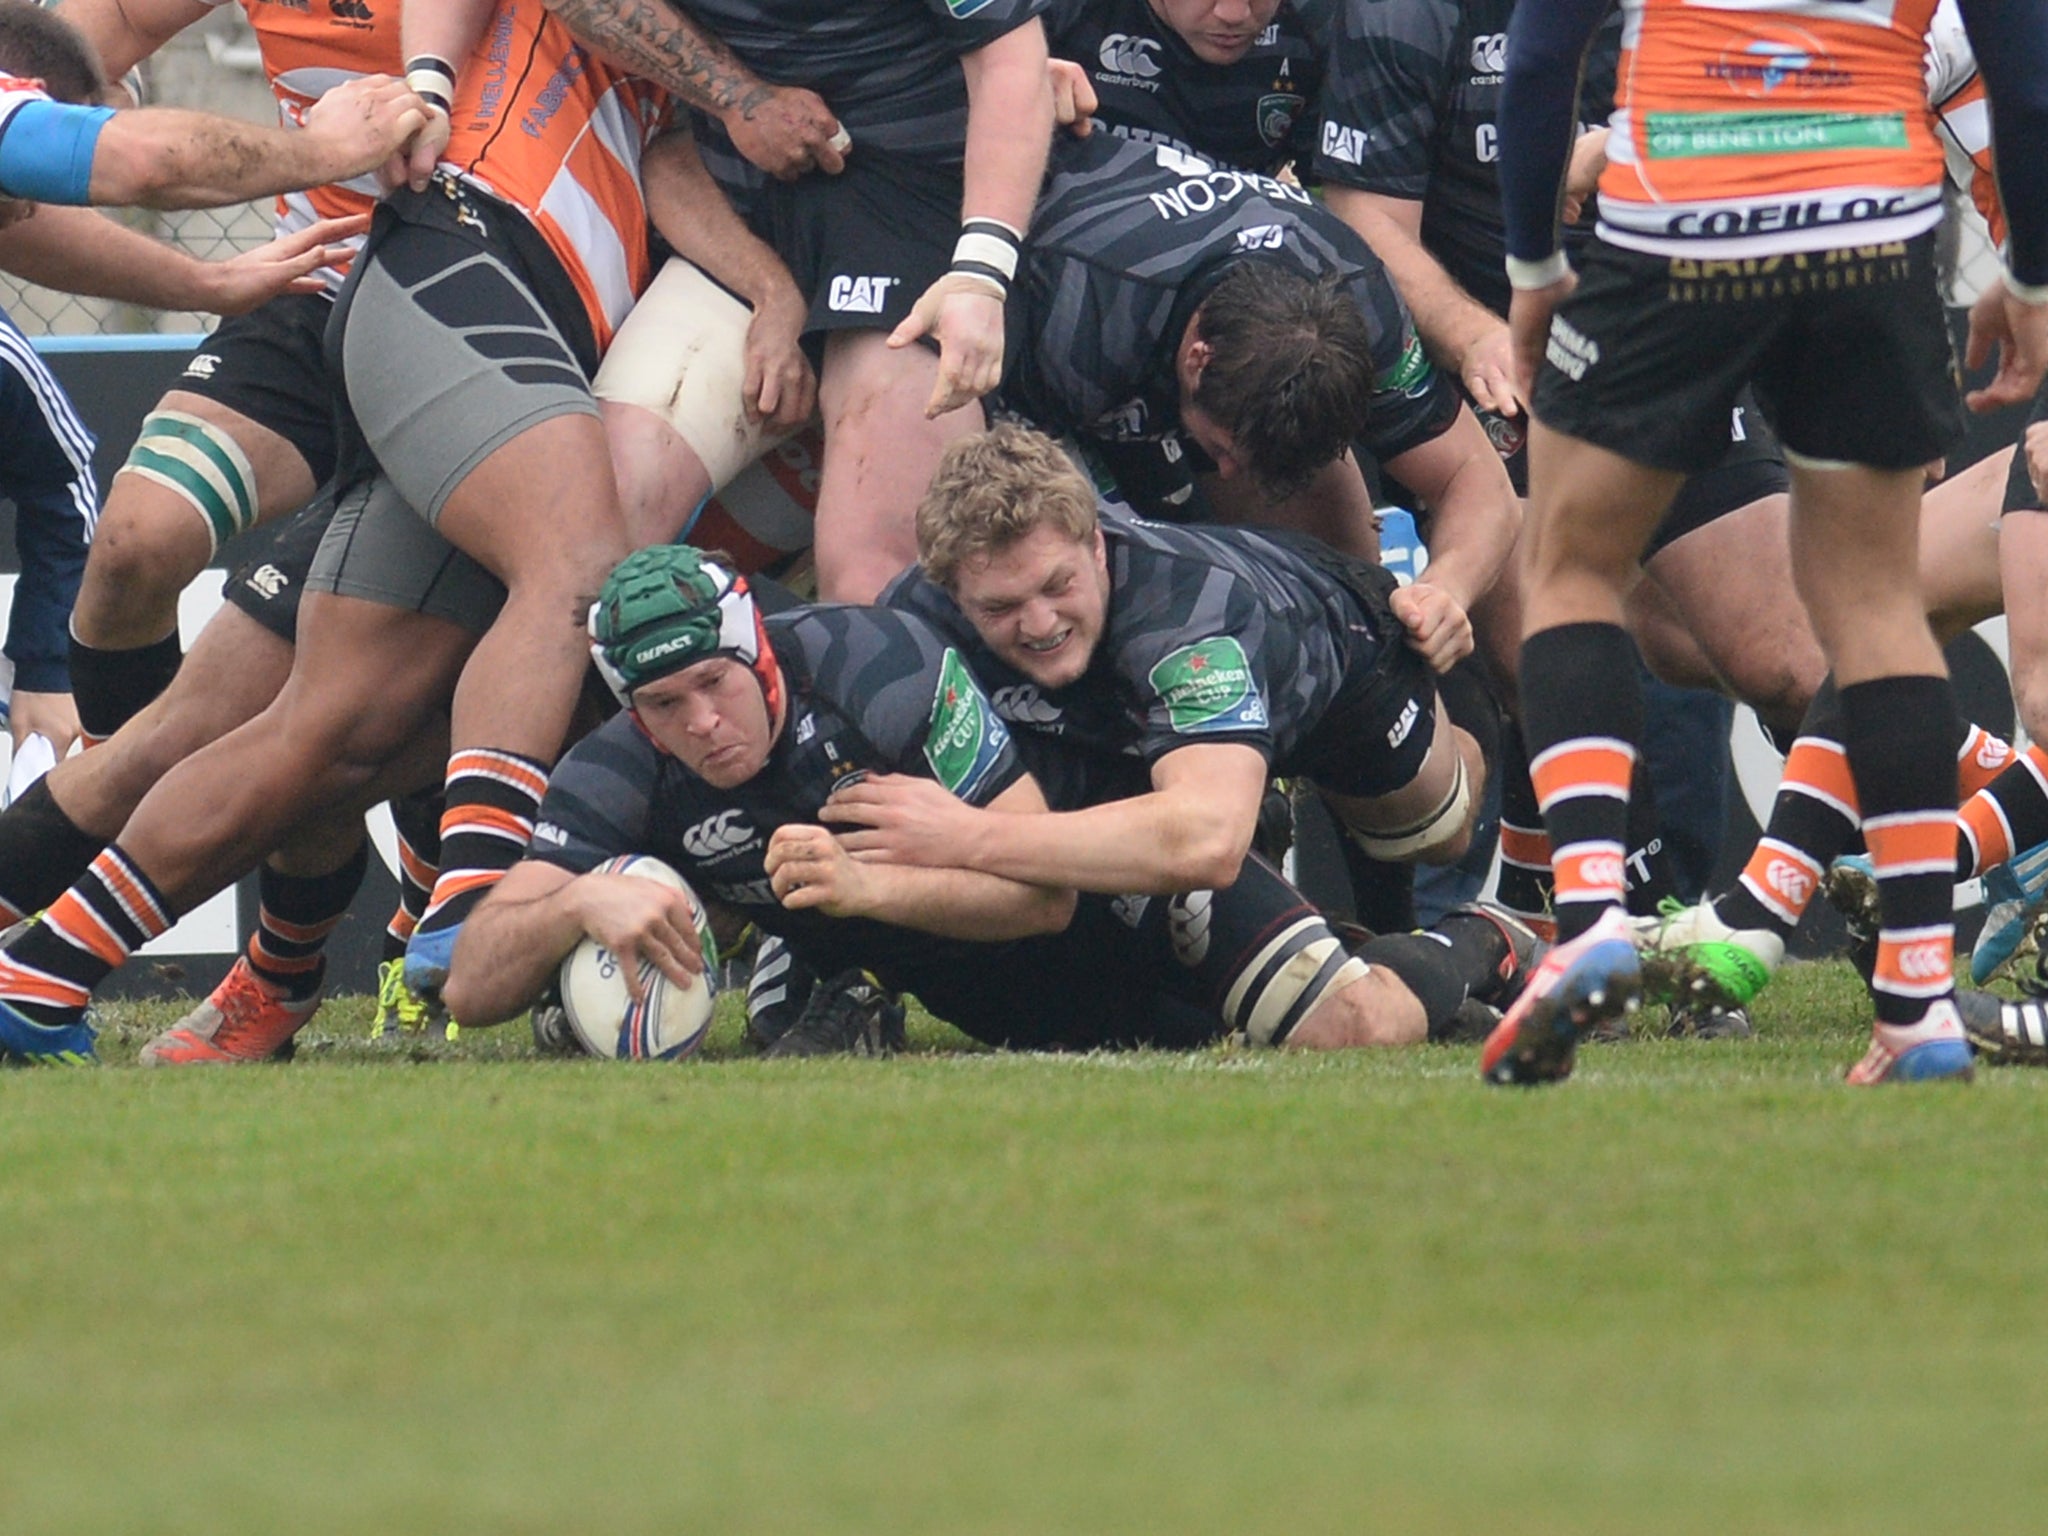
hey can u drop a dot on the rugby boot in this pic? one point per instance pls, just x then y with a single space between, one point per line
1595 978
2012 892
397 1009
1851 889
849 1015
1525 949
244 1019
553 1035
1934 1050
1709 1021
1693 958
427 958
25 1042
778 988
2004 1033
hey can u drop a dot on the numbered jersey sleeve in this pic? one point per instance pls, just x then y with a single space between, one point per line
599 799
909 694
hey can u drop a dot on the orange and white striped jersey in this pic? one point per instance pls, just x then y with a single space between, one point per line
558 133
1956 92
309 47
1757 127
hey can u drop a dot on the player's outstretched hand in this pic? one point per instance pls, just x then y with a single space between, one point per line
52 716
2036 449
1438 629
641 922
787 131
1529 313
780 390
1073 97
808 868
288 264
894 818
964 314
2001 321
1488 369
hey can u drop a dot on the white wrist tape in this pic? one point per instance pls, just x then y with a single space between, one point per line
2026 293
987 249
1538 274
432 80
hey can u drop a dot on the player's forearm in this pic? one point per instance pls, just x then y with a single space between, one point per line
653 39
508 951
2011 41
695 217
1449 319
1009 126
442 29
164 157
1154 843
1474 515
1538 119
89 254
965 903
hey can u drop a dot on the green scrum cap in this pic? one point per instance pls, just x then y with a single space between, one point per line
667 608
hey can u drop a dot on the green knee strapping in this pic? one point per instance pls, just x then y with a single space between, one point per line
200 462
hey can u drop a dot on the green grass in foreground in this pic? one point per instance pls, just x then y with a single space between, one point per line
1702 1288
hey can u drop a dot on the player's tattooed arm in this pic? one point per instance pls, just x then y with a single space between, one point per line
785 130
692 214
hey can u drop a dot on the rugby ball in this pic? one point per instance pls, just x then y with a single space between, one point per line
672 1021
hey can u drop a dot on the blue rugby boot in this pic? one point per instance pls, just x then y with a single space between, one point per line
1937 1049
1594 979
45 1045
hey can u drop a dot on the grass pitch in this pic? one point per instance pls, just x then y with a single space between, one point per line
1702 1288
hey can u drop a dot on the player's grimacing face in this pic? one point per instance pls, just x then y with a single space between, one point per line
712 718
1040 603
1217 31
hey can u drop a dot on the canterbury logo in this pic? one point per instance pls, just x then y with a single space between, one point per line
1490 52
1923 962
1023 702
1789 881
1603 870
1122 54
721 834
1187 924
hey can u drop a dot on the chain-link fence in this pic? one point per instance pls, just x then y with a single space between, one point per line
211 65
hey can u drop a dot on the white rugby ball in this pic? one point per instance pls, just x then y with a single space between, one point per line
672 1022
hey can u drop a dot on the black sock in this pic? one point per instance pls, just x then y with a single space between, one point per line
1429 969
42 851
1479 948
111 688
1524 887
417 818
1902 733
298 912
1811 824
1652 873
1582 720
